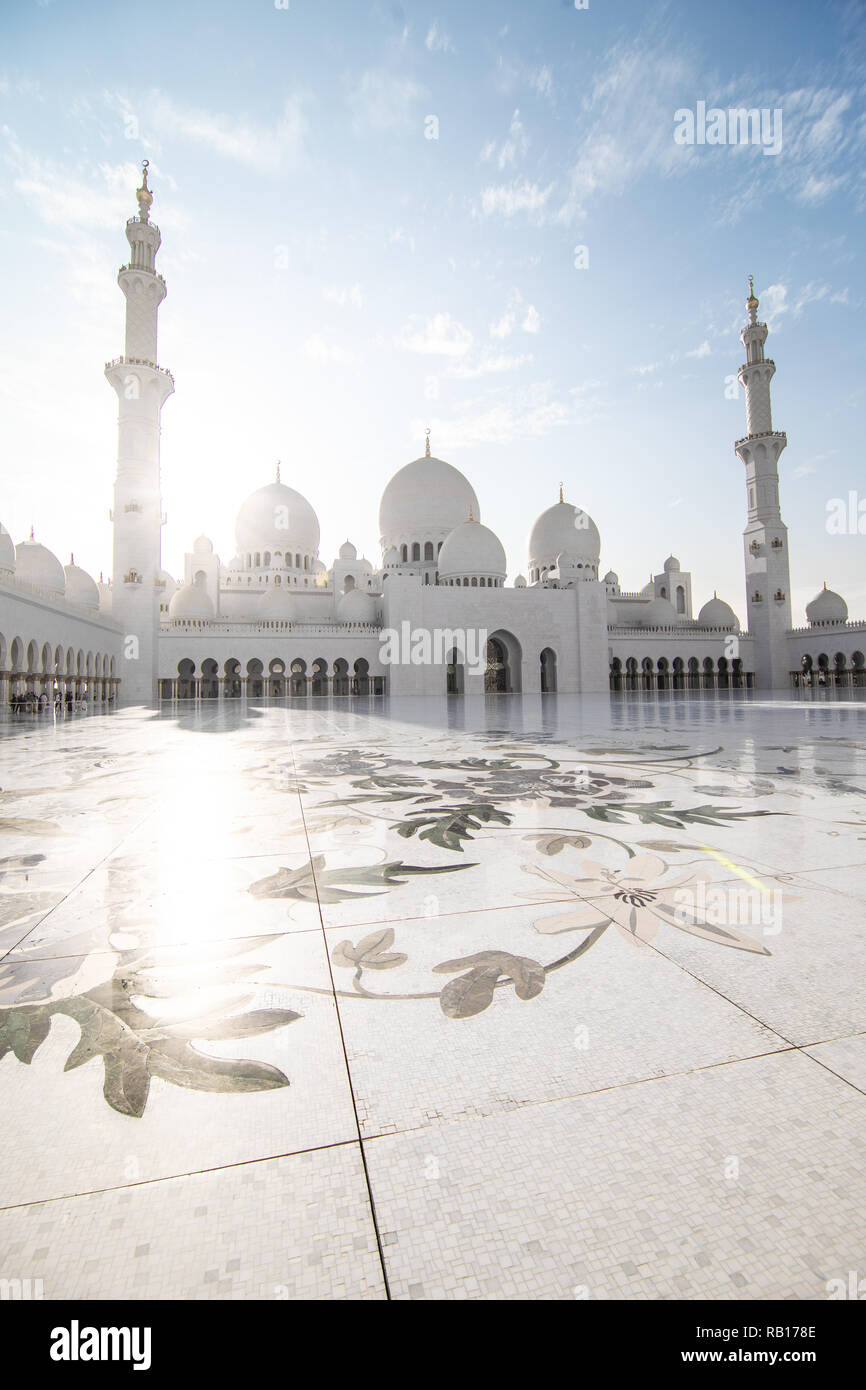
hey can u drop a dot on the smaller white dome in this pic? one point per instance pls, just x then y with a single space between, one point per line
520 582
827 607
356 607
7 550
166 579
392 557
611 577
348 551
471 549
671 563
277 602
191 601
660 612
202 546
80 588
37 565
717 613
563 527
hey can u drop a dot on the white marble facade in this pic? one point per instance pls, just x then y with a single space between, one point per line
274 620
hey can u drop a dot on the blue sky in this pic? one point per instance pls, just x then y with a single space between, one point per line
337 280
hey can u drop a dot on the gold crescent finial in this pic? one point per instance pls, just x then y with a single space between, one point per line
143 194
561 498
427 446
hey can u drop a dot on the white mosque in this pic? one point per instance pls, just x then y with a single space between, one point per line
276 622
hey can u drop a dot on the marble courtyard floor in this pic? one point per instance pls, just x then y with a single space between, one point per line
515 998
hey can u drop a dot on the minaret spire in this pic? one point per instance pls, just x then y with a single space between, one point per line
765 539
142 387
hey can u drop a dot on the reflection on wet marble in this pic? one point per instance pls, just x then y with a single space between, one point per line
504 998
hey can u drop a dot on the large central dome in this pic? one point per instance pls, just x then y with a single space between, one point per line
425 500
277 518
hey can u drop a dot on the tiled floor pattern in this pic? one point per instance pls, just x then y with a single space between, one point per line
246 1054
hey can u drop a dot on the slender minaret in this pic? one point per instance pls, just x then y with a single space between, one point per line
142 388
765 539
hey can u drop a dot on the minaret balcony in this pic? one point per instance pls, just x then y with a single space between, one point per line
142 270
762 434
140 362
764 362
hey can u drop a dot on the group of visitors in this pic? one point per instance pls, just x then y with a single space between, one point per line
62 702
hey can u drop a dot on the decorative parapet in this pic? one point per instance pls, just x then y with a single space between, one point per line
140 362
761 434
691 632
222 627
812 629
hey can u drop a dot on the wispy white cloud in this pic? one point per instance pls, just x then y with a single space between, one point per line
383 101
507 200
627 121
318 349
503 418
436 41
488 364
512 149
440 336
703 350
542 81
267 148
344 295
89 196
532 321
398 236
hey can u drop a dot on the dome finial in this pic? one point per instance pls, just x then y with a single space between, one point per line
471 513
143 194
561 498
72 557
278 470
32 537
427 445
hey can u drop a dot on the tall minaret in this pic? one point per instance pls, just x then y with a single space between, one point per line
142 388
765 539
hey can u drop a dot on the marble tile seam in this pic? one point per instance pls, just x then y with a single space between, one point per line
178 1177
370 1198
449 1123
76 886
832 1070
